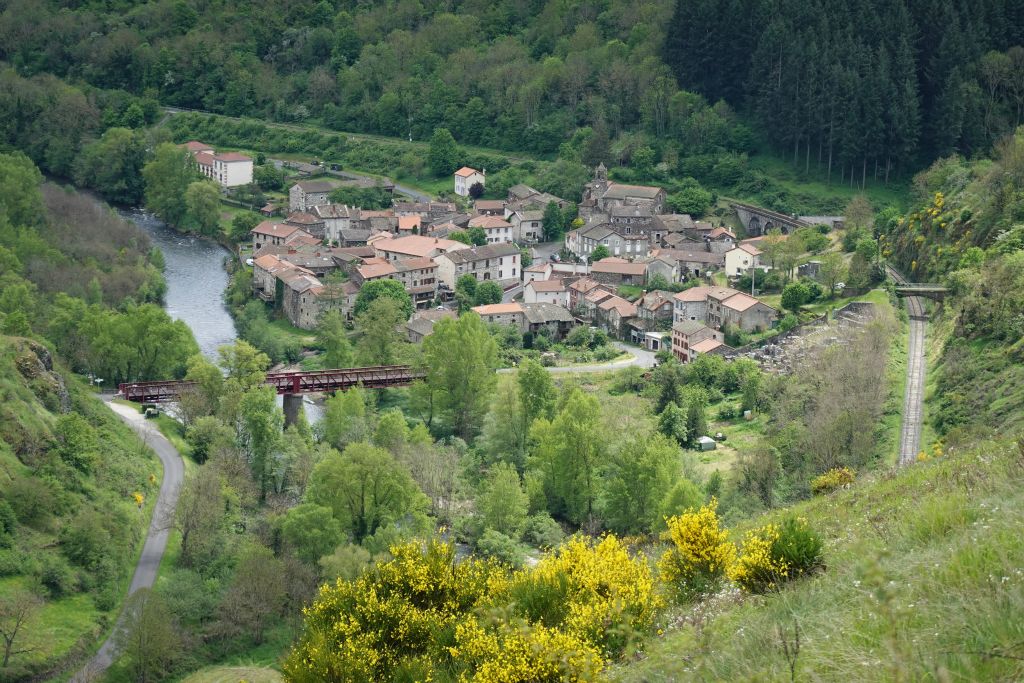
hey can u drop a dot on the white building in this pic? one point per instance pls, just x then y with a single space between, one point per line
496 229
740 260
228 169
489 262
466 178
546 292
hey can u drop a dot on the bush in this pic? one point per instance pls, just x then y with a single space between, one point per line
776 553
594 591
833 479
727 412
501 547
798 546
57 577
701 552
542 531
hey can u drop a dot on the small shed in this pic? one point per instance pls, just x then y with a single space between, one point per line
706 443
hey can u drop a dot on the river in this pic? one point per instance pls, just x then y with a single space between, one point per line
196 280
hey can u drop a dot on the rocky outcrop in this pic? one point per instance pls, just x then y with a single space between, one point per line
35 363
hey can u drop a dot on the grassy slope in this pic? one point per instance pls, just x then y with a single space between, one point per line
73 621
924 582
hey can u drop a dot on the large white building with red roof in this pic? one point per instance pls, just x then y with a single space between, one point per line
229 169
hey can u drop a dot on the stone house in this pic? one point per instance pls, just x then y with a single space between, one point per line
614 314
745 312
546 291
308 222
300 305
593 299
466 178
713 346
422 323
269 233
490 262
601 195
740 311
502 314
585 240
692 304
654 309
374 269
305 194
662 265
490 207
527 225
336 218
693 263
264 275
616 271
579 289
720 240
556 321
419 277
686 333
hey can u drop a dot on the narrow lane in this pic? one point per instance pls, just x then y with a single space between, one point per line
156 539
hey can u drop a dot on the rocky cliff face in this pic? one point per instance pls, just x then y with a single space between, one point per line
35 363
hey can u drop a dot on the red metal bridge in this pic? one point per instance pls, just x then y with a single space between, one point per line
378 377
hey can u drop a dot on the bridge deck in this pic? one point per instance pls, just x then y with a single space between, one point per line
378 377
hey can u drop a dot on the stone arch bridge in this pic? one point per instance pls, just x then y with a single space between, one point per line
758 220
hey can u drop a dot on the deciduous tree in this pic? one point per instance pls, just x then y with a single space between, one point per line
503 503
461 357
365 488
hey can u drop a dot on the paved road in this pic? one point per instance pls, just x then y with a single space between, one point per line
913 397
156 539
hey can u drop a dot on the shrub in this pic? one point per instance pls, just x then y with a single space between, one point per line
756 569
502 548
727 412
594 591
833 479
542 531
57 577
776 553
399 616
701 551
518 652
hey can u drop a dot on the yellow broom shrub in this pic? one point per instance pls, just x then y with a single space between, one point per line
701 551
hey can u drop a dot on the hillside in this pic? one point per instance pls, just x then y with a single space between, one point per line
923 582
74 490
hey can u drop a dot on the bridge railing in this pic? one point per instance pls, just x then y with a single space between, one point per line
374 377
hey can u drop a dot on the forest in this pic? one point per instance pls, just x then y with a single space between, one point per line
870 89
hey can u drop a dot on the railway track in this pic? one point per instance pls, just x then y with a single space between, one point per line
913 397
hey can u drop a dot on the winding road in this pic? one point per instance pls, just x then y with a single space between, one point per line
156 539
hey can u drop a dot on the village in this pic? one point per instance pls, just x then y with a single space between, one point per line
661 281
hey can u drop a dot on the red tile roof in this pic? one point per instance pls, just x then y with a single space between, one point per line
497 309
466 171
555 285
